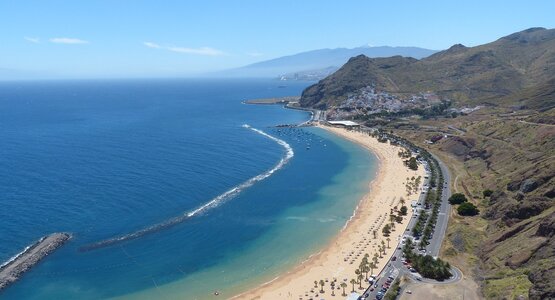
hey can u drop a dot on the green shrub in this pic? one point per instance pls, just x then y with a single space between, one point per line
457 198
468 209
487 193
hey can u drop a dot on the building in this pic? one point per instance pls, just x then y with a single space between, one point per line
345 124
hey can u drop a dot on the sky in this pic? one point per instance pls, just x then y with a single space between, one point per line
136 38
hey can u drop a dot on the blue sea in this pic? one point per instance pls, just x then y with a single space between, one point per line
203 192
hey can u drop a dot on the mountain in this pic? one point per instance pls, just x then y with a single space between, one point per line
320 59
467 75
501 152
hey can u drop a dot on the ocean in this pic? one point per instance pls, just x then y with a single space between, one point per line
170 188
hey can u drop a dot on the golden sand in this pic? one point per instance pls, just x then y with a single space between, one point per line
339 260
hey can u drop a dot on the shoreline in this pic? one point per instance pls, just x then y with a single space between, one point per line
337 261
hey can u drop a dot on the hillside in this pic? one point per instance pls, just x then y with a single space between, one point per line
465 75
496 133
317 61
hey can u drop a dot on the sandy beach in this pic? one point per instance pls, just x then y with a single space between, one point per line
338 261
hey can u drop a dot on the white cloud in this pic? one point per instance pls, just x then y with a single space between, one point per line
255 54
64 40
199 51
152 45
196 51
32 39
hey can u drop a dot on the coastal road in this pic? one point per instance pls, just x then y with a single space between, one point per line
396 268
444 211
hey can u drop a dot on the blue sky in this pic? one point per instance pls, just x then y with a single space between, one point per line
134 38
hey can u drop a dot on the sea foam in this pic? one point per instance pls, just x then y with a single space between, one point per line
289 153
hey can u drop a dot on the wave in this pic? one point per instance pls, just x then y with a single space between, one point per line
9 261
289 153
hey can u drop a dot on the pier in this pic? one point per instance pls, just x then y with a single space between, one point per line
14 268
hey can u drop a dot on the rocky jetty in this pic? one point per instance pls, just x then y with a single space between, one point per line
13 269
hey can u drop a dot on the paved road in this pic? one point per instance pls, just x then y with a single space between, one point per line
396 268
443 217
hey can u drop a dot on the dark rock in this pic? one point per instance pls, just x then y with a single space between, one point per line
513 185
543 287
528 185
551 193
547 227
526 210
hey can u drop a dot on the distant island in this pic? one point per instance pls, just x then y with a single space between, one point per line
317 64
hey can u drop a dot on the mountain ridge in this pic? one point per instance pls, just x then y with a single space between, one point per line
320 59
463 74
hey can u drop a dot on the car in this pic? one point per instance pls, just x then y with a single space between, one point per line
390 277
409 292
394 258
371 289
383 290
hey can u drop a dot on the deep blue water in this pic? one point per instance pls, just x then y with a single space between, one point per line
102 159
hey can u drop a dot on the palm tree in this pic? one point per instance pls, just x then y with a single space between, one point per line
375 259
402 201
388 239
357 273
380 250
375 232
372 266
322 285
315 284
343 286
360 277
353 283
333 289
366 269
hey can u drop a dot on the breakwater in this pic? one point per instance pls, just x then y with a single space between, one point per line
289 153
15 267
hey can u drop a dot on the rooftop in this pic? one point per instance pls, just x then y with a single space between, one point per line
344 123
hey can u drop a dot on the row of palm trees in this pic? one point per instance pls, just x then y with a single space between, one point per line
366 266
322 283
